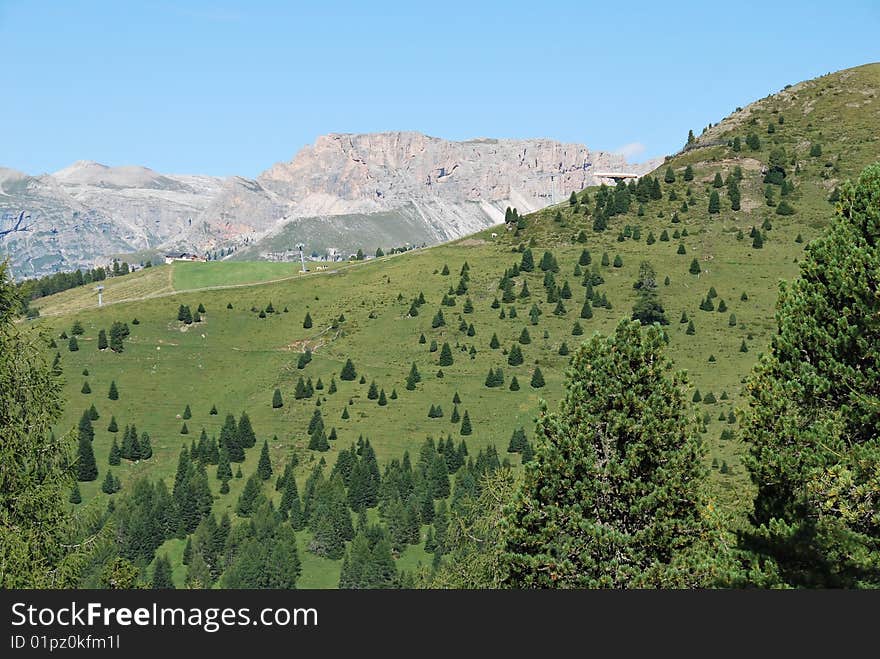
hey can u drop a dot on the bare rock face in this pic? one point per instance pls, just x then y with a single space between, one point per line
344 191
344 174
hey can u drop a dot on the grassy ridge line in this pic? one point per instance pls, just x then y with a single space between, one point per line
64 306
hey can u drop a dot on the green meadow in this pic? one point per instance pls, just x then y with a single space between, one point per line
234 359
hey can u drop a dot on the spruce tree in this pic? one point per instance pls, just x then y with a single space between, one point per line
102 340
714 203
224 469
515 356
264 466
276 399
616 509
812 420
75 496
307 322
249 497
162 574
86 468
466 428
115 457
537 379
445 355
348 372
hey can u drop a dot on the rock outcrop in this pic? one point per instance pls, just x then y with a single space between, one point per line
345 191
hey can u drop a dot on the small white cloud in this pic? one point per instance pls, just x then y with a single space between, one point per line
630 151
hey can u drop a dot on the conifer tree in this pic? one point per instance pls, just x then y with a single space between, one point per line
348 372
249 498
307 321
445 355
162 574
264 466
714 203
514 384
413 378
102 340
115 457
637 520
515 356
86 389
812 418
537 379
466 428
224 469
276 399
86 469
75 495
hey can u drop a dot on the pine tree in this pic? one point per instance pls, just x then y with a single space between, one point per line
537 379
413 378
445 355
249 498
162 574
688 173
307 322
264 466
695 268
714 203
86 468
72 344
348 372
276 399
515 356
115 457
494 344
102 340
224 469
108 486
466 428
613 525
75 496
86 389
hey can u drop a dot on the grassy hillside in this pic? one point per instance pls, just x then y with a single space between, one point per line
234 359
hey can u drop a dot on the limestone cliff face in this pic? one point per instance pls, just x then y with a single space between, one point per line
345 191
459 186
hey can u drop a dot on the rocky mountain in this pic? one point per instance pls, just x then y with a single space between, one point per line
344 191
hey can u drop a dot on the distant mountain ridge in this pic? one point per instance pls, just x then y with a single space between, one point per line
344 191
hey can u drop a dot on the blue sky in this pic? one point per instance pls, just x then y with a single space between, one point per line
231 87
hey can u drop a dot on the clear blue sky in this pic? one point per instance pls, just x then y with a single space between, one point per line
231 87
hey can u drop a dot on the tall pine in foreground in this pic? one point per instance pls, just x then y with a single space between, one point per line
612 496
37 544
813 417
